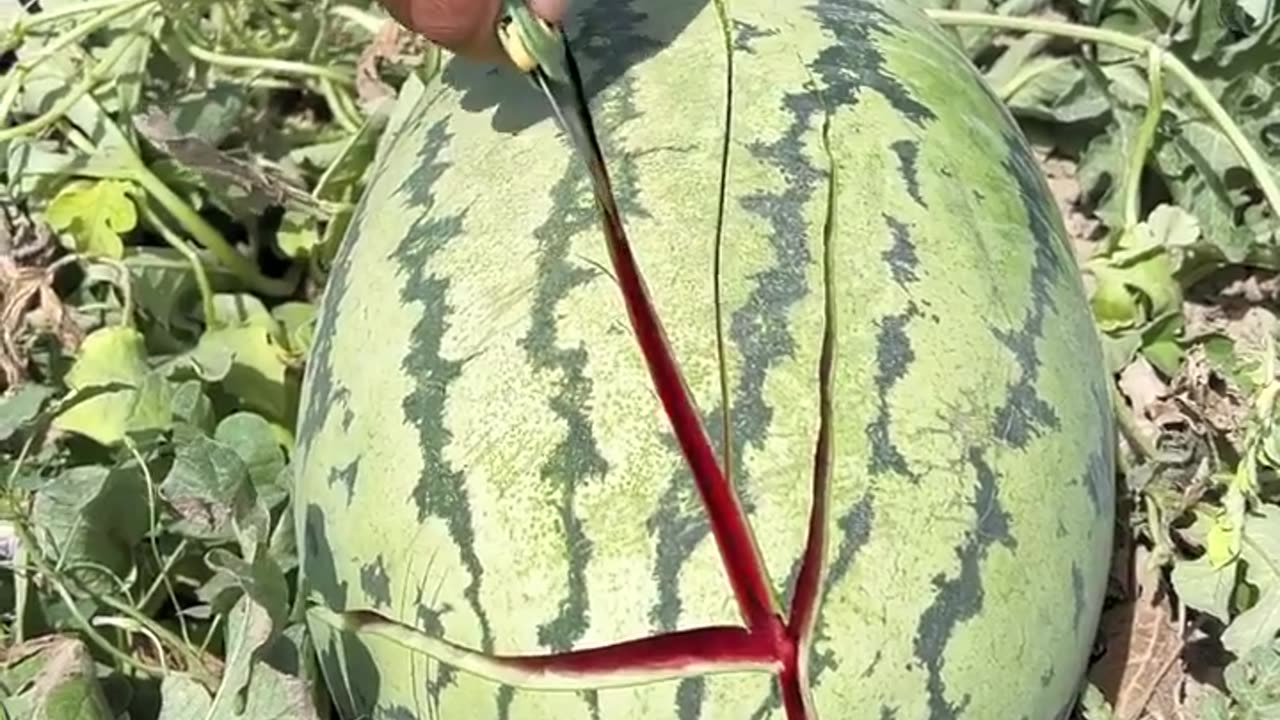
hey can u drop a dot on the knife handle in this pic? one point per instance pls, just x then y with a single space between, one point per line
531 42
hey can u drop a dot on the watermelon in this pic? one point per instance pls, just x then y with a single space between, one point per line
878 482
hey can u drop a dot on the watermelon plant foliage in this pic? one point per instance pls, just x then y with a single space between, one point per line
829 437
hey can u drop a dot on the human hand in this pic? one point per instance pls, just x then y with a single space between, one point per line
467 27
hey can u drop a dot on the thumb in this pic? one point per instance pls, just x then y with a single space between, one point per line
466 27
550 10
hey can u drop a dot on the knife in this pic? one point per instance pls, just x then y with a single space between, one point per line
542 52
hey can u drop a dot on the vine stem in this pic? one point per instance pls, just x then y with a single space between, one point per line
360 18
197 267
1146 137
18 75
206 234
271 65
27 24
197 670
76 34
1257 166
98 73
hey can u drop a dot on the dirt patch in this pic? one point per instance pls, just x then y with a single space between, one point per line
1064 185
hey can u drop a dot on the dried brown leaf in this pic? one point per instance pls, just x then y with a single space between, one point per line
1205 396
393 44
1143 646
1143 387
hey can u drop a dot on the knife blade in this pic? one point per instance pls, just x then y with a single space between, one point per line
542 52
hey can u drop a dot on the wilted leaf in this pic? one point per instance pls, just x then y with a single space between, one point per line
115 357
64 684
242 189
95 213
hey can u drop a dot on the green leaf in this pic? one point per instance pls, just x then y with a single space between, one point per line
1260 550
206 482
261 580
20 407
274 695
164 281
269 693
1254 683
254 441
298 235
1120 350
1114 308
94 514
210 362
47 85
1134 281
260 375
1205 587
182 698
1094 705
1171 226
211 114
1057 91
1213 705
345 175
1161 343
95 213
242 309
297 321
137 399
192 406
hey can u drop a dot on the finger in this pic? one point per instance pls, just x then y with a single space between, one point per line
465 27
550 10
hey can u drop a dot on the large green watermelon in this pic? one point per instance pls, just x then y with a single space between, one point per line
846 238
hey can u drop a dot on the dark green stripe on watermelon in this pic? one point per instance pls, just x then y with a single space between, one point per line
483 455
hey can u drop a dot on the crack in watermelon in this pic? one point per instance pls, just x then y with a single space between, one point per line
769 642
781 637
